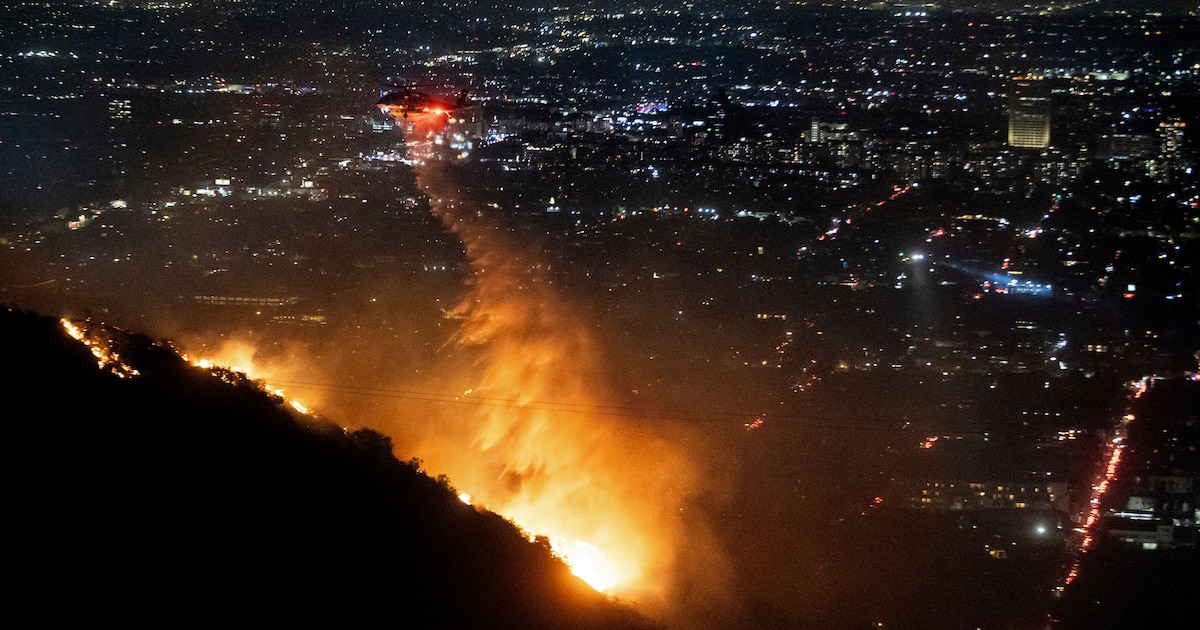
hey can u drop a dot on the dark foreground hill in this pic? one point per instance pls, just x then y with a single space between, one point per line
176 497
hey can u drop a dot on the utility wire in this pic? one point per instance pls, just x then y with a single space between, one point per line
735 418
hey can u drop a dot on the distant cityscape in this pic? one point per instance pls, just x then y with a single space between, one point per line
910 270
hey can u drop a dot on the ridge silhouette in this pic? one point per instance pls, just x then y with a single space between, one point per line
180 496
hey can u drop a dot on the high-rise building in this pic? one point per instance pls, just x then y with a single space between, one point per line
1170 160
1029 114
1170 133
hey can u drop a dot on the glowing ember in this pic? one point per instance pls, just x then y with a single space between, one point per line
72 330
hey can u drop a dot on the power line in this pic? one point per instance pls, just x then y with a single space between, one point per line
489 401
731 418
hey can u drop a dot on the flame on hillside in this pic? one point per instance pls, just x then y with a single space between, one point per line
106 357
543 459
608 492
243 356
235 360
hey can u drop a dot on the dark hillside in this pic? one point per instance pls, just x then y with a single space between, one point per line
176 496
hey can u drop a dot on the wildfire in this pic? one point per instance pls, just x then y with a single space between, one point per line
241 358
608 494
585 560
588 563
605 493
106 357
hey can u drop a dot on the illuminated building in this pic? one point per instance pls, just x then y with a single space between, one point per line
1170 133
1170 156
979 494
120 109
233 300
1029 115
842 144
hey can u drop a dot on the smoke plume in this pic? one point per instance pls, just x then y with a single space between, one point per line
537 442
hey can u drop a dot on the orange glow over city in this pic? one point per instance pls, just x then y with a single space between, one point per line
534 437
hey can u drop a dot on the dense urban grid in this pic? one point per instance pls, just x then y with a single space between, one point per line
898 280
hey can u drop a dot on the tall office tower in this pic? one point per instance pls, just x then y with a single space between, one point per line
1170 160
1029 114
1170 133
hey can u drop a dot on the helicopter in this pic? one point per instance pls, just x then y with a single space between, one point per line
405 101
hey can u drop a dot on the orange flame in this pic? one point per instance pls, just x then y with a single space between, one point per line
543 458
245 357
608 492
